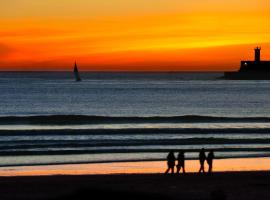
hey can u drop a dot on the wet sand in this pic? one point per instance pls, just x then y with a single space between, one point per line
221 185
220 165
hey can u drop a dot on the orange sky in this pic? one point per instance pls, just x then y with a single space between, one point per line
132 35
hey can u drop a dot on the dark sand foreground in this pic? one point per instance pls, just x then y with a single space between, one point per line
227 185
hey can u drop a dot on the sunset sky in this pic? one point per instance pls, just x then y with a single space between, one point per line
132 35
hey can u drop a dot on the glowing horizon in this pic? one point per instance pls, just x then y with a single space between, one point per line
134 35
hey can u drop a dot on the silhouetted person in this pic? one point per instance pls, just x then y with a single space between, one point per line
202 158
210 159
170 162
181 162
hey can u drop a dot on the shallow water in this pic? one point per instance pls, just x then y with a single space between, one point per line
62 121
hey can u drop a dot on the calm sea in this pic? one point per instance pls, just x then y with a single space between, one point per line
48 118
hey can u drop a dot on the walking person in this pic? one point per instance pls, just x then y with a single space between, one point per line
181 162
170 162
202 158
210 159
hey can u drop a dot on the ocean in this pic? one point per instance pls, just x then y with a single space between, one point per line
48 118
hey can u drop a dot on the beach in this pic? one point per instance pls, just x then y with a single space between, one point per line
245 178
226 185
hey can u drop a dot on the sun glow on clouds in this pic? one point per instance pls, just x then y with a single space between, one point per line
131 35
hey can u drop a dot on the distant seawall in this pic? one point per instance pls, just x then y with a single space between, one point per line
247 75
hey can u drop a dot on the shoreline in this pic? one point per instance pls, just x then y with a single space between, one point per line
149 167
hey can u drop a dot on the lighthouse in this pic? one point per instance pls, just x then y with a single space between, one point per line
252 70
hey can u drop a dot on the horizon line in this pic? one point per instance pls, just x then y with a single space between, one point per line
114 71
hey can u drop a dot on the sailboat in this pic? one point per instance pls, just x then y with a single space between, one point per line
76 73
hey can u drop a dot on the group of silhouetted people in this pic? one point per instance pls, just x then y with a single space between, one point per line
181 161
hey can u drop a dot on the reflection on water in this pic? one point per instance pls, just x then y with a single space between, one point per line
65 144
112 157
246 164
236 125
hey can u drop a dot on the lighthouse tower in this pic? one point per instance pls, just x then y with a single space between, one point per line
258 55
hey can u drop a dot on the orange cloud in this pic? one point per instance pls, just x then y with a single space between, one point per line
209 37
